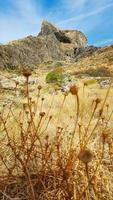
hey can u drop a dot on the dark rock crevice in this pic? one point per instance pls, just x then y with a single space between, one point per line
61 37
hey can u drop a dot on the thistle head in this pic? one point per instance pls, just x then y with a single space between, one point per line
97 100
74 90
43 99
26 73
85 156
16 83
39 87
42 114
85 83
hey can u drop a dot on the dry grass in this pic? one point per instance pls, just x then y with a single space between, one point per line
57 147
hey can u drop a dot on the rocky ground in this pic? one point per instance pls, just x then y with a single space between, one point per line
9 79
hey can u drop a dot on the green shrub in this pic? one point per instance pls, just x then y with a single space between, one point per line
56 77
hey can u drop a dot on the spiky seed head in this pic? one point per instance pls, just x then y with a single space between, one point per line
50 117
100 112
39 87
42 98
16 83
26 73
85 84
74 90
85 155
97 100
42 114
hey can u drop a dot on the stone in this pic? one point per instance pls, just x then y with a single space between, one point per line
85 51
105 83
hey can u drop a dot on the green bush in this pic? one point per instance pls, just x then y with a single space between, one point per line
56 77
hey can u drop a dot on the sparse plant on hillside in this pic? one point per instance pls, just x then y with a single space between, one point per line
90 82
55 76
101 71
62 154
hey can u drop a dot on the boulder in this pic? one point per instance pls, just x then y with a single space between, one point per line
85 51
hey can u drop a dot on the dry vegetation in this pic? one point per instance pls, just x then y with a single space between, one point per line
57 147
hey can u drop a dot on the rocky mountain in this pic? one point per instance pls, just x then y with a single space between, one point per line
53 44
94 62
50 44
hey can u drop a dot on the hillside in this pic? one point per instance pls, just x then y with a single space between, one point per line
50 44
56 130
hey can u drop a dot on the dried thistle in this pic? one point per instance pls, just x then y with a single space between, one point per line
74 90
85 155
39 87
97 100
16 83
42 98
85 84
42 114
26 73
100 112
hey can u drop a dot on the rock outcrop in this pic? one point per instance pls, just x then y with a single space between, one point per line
83 52
50 44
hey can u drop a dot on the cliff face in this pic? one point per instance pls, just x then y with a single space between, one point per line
50 44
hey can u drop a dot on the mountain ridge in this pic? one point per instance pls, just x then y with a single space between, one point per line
53 44
50 44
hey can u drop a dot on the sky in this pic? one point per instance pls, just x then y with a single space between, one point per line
20 18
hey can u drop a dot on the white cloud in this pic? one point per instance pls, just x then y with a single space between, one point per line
73 4
28 9
26 16
86 15
22 21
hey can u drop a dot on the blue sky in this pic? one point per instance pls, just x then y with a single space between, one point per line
19 18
